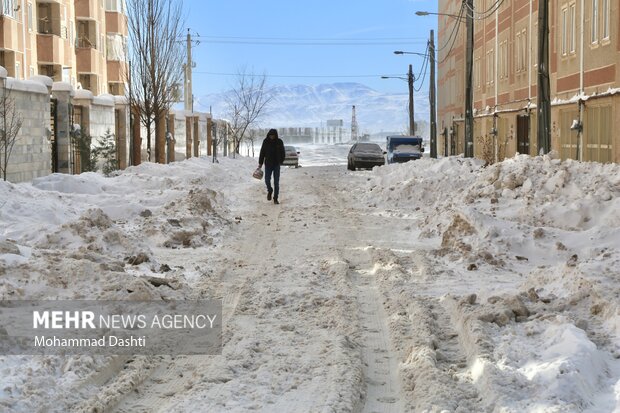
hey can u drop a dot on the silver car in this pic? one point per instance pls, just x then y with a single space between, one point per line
291 156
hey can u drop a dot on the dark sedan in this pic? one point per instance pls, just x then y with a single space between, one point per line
365 155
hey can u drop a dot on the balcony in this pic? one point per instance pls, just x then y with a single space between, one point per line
116 22
9 34
48 18
50 49
117 71
87 60
86 9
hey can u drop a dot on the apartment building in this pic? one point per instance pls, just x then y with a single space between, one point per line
80 42
585 86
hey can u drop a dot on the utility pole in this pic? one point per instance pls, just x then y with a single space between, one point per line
544 92
469 90
410 80
189 98
431 96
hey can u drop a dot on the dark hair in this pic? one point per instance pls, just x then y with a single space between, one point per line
273 132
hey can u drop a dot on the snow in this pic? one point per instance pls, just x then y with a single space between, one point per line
433 285
404 148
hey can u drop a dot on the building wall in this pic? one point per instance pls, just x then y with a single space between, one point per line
43 38
31 156
505 77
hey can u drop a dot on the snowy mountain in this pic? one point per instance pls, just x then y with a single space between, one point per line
311 106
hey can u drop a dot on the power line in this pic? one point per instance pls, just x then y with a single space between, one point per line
298 41
311 38
488 12
296 76
454 29
308 43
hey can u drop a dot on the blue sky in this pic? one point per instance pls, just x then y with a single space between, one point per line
305 42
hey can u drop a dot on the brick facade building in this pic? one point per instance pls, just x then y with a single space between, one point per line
585 86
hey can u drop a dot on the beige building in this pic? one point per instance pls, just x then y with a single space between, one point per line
585 86
81 42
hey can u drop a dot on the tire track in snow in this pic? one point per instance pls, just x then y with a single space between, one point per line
167 381
382 382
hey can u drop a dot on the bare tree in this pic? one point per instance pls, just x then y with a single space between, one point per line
156 55
247 102
11 123
250 138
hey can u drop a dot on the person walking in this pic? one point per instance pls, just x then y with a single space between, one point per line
272 155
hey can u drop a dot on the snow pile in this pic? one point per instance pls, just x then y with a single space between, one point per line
91 237
530 247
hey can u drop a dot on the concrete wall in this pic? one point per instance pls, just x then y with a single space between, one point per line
31 156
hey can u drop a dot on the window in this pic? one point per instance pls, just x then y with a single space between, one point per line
572 38
491 66
503 60
594 22
478 72
115 5
606 12
564 31
10 8
535 54
30 17
18 71
521 52
116 47
86 32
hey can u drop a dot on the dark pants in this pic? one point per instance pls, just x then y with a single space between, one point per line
275 169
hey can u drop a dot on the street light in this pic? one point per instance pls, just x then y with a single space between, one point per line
426 13
431 91
415 53
410 79
469 54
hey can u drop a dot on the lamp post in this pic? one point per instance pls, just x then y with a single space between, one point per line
410 79
469 66
431 92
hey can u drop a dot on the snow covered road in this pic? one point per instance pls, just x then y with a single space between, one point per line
369 291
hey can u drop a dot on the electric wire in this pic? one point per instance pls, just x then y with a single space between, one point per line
488 12
294 76
290 41
454 29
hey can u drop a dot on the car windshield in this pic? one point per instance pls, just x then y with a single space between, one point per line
406 148
368 148
290 149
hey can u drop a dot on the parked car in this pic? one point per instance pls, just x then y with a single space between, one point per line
401 148
365 155
291 156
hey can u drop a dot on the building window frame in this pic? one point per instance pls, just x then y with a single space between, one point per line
564 33
10 9
606 21
572 21
490 72
594 21
477 73
503 60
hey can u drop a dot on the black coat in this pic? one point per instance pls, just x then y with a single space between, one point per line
271 152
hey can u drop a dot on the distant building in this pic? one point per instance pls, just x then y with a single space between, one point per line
583 63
